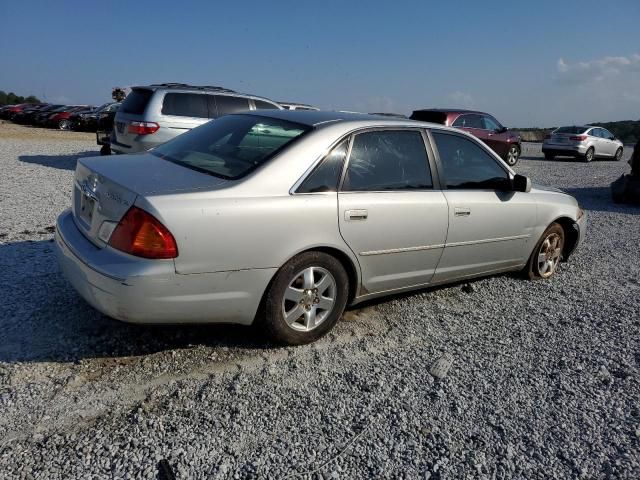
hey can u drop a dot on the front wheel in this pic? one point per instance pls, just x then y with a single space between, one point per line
64 124
513 155
618 155
305 299
547 253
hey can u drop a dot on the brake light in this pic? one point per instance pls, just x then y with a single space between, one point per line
578 138
141 234
143 128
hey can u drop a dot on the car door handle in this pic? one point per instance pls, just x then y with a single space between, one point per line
462 212
350 215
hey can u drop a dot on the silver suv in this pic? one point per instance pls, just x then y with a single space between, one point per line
154 114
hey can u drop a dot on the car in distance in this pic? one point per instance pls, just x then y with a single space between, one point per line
585 142
88 121
505 142
151 115
297 106
286 217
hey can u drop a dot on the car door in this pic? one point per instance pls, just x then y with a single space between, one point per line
496 135
490 226
390 214
609 146
183 111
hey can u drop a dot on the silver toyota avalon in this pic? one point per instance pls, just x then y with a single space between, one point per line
283 218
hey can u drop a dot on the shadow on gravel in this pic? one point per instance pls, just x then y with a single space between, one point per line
63 162
43 319
599 199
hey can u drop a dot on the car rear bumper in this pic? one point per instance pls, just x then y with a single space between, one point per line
560 149
138 290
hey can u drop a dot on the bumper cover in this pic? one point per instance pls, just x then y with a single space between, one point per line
138 290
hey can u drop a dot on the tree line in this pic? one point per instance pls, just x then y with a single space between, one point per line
12 99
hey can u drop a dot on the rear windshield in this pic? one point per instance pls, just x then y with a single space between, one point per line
231 146
572 130
136 101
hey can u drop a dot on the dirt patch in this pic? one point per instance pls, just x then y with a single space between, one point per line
11 130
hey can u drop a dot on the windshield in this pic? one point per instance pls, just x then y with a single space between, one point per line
231 146
571 130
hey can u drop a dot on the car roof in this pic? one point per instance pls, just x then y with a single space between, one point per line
314 118
183 87
450 110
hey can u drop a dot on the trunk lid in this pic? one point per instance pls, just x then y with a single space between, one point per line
106 187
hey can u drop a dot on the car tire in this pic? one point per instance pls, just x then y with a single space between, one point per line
546 255
618 156
549 156
513 155
64 124
589 155
305 299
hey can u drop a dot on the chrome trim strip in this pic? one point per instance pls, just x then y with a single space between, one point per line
488 240
441 245
402 250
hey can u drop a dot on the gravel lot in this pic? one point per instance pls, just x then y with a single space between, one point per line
544 378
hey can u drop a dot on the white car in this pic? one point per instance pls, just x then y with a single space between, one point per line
586 142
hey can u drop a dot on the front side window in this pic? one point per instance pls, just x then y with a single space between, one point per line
326 175
232 146
490 124
606 134
468 166
388 160
185 105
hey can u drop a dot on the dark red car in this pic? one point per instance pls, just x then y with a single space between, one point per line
503 141
61 118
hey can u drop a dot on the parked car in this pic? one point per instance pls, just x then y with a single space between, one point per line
10 110
296 106
61 119
505 142
24 117
41 118
151 115
284 217
88 121
586 142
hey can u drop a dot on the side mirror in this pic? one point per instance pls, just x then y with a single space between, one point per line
521 183
501 129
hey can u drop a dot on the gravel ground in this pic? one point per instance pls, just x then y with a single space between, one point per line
498 378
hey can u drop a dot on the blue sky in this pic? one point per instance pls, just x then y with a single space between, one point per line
538 63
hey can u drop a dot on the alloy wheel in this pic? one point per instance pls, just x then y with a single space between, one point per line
513 155
309 299
549 255
618 154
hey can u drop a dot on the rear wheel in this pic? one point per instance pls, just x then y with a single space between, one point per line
589 154
305 299
512 155
64 124
618 155
547 253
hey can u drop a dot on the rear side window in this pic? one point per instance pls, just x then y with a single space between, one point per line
260 105
137 101
388 160
228 104
469 121
326 176
185 105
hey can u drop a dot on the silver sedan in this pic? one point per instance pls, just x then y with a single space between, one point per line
283 218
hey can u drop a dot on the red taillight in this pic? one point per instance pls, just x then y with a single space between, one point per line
143 128
141 234
578 138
